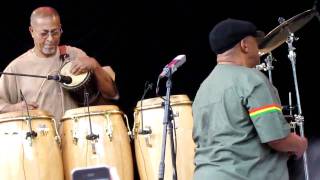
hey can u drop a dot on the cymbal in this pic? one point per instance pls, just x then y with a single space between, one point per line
280 34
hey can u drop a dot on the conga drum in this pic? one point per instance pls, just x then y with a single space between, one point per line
111 146
148 146
81 84
37 158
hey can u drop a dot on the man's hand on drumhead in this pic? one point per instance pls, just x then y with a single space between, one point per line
83 64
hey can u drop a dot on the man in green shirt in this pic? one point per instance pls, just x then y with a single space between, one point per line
239 129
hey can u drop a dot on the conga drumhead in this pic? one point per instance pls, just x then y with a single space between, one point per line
111 148
26 158
148 147
81 84
77 80
21 115
84 111
157 102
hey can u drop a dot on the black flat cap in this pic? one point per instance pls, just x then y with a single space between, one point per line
227 33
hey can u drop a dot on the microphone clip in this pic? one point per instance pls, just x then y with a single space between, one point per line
60 78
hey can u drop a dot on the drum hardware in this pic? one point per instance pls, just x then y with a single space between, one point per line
128 127
93 146
57 136
290 117
109 129
147 137
267 65
74 132
299 119
284 32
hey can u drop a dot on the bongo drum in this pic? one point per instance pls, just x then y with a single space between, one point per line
148 146
111 148
80 84
29 158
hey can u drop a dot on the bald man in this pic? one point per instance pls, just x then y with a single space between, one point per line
45 59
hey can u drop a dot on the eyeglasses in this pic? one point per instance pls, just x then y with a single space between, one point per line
46 33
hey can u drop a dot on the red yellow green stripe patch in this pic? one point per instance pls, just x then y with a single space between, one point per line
264 110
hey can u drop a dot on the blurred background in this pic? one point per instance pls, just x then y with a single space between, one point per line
138 38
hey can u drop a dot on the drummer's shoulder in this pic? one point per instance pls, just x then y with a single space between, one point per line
22 58
72 49
110 72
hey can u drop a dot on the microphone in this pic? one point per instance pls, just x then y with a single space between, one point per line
173 65
60 78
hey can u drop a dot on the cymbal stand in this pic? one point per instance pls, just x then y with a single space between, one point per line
298 118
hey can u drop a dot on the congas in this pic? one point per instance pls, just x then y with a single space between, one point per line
148 146
37 158
111 147
80 84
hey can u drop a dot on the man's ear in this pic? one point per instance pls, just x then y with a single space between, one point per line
31 31
244 45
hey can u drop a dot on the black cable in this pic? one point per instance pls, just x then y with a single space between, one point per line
157 89
31 133
147 86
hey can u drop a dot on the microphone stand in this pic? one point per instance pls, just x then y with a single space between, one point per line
144 130
48 77
31 134
167 125
298 118
92 137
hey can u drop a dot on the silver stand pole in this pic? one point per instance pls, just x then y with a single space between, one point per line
298 118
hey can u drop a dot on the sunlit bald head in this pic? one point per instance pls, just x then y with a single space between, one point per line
44 12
